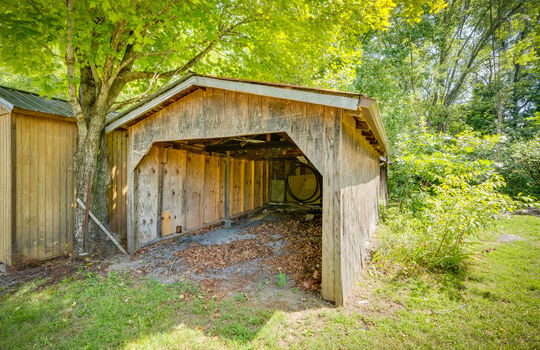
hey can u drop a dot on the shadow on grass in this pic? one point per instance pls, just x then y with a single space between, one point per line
95 311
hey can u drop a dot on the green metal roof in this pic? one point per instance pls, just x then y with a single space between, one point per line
13 98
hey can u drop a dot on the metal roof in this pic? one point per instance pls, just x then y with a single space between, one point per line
13 98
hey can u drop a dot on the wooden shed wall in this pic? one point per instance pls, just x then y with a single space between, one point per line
117 194
44 186
192 190
359 195
215 113
5 186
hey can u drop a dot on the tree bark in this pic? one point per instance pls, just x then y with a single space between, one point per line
86 161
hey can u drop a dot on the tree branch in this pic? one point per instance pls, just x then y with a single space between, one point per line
452 94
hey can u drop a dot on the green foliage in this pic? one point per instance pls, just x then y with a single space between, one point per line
422 161
240 297
281 280
448 194
521 167
298 41
450 70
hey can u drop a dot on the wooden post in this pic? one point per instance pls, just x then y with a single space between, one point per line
227 190
331 288
162 159
131 177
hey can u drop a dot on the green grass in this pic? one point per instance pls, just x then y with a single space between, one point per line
494 304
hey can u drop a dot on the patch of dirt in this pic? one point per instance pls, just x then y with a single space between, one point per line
505 238
303 249
244 258
527 211
52 270
201 257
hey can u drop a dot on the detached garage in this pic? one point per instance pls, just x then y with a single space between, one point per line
206 149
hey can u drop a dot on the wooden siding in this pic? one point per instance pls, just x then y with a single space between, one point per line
192 190
359 194
5 187
44 188
117 194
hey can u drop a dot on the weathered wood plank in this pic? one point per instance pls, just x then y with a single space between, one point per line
5 186
194 188
146 198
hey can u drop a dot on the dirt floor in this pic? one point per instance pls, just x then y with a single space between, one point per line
273 257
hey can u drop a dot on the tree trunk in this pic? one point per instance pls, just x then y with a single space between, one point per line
499 97
86 159
98 243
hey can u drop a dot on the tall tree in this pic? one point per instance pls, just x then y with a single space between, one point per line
434 65
103 52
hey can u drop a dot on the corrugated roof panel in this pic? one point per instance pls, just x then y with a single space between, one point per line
34 102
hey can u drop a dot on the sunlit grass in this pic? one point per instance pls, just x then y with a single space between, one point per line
494 303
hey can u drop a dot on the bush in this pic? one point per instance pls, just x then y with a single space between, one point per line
442 233
448 194
521 167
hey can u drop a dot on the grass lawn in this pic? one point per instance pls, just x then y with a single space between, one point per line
495 304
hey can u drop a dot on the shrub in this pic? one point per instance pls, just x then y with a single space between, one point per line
442 233
521 167
448 194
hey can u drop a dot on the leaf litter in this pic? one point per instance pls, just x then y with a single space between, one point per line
300 259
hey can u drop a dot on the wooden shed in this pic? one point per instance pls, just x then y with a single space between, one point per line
200 151
37 143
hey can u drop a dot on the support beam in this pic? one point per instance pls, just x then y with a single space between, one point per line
249 146
227 190
162 156
360 124
103 228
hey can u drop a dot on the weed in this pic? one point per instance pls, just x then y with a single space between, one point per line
240 297
281 280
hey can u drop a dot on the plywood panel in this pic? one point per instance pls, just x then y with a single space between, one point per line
146 198
5 187
257 183
249 183
194 190
44 186
211 189
173 187
237 188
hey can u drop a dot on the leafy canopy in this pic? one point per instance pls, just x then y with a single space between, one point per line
301 41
